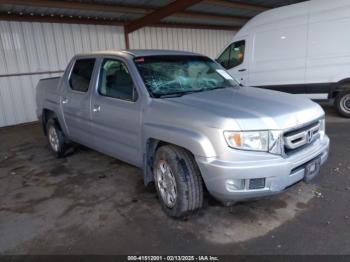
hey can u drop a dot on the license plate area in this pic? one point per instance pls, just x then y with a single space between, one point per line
312 169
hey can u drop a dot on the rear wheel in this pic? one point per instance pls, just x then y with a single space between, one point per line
55 138
342 103
178 181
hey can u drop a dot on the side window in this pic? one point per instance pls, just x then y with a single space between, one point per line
237 53
233 55
81 74
224 58
115 81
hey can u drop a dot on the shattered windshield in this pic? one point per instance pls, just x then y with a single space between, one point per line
179 75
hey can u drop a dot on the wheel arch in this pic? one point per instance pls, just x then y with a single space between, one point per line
152 144
46 115
341 86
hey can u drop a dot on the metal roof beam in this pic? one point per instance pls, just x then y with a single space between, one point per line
78 6
57 19
237 5
119 9
208 16
159 14
197 26
67 20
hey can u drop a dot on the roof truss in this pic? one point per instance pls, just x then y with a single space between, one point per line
240 20
158 14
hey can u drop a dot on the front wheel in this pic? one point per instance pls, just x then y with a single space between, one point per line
178 181
342 103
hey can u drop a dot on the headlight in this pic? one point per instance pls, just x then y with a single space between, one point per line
266 141
251 140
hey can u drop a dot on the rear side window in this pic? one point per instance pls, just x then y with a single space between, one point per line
233 55
81 74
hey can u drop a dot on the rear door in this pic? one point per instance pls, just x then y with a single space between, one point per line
116 112
233 59
76 101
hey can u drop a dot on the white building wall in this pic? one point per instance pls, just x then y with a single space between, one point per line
27 48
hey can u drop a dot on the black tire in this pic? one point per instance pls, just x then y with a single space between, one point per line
61 145
342 103
189 185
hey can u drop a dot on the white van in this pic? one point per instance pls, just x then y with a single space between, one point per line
301 49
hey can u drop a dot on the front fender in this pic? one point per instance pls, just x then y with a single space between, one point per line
197 144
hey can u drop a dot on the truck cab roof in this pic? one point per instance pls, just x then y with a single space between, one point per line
139 53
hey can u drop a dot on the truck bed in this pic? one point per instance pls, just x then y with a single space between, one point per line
47 93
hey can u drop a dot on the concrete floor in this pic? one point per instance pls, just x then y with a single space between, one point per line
89 203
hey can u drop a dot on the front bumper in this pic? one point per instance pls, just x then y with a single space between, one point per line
279 172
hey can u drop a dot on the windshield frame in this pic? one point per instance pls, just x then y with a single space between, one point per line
174 94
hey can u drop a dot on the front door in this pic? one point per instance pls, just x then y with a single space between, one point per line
116 113
233 60
75 101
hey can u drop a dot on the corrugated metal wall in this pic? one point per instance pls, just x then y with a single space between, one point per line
41 47
204 41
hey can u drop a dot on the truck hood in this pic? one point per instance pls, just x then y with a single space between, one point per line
254 108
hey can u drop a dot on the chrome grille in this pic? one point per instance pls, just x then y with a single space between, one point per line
301 137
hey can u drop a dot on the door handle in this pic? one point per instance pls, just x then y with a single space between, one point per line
64 100
96 109
242 70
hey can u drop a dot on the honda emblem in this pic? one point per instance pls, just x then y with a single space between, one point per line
309 136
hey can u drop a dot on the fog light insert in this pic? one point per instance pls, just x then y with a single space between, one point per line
257 183
235 184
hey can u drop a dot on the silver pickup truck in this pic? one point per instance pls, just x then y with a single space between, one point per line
186 122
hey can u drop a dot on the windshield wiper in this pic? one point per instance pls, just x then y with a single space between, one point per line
220 87
177 94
